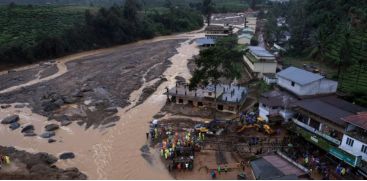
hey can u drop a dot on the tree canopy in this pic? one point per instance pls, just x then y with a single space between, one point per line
224 60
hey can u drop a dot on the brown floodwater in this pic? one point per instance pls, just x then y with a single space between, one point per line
106 153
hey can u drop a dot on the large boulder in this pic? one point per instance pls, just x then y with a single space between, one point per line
65 122
51 140
67 155
10 119
69 99
111 110
51 127
14 126
30 134
28 129
46 158
48 134
49 106
5 106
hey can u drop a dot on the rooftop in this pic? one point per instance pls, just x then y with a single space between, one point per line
299 76
205 41
225 93
330 108
275 167
359 120
216 28
277 99
260 52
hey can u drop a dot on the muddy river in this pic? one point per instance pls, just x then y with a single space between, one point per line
110 153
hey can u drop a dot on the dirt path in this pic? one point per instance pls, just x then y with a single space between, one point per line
111 153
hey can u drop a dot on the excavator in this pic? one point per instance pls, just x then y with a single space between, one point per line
260 125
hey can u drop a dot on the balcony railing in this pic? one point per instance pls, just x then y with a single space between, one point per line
313 130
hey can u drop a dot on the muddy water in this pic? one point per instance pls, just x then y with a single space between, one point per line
111 153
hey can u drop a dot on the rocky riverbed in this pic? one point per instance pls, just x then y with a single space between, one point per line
24 165
93 86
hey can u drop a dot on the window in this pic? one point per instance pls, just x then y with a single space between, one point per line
292 84
200 104
364 149
350 142
220 107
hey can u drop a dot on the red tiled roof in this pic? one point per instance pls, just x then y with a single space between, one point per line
359 120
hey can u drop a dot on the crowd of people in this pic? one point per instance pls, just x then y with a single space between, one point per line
177 147
316 160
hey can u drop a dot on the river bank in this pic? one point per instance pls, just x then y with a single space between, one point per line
112 150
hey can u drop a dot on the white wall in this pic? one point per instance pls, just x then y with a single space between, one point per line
249 63
323 86
355 149
269 81
265 67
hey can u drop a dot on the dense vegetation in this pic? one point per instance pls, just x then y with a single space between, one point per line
333 32
32 33
224 60
221 5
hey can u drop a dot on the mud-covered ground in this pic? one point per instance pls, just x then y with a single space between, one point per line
93 86
24 165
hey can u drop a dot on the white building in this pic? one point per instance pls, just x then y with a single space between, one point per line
270 78
260 61
355 137
304 83
276 104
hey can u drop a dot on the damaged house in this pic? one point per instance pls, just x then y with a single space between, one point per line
227 98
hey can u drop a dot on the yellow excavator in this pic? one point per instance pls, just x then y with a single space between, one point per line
260 125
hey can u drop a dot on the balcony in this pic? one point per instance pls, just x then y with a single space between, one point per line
316 131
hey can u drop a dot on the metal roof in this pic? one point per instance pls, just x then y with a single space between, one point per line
330 108
259 51
263 170
205 41
359 120
274 167
245 35
299 76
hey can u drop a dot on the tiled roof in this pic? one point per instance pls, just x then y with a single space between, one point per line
359 120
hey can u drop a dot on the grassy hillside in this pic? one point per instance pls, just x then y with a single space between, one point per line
25 24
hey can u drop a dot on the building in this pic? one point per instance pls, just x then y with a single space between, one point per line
259 61
226 98
303 83
217 31
275 105
205 42
245 35
277 167
270 78
320 121
355 139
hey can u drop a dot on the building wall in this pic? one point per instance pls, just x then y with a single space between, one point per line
322 86
244 41
249 63
265 67
269 80
355 149
226 107
264 112
261 67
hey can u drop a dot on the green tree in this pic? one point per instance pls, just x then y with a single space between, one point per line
207 9
222 61
131 9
